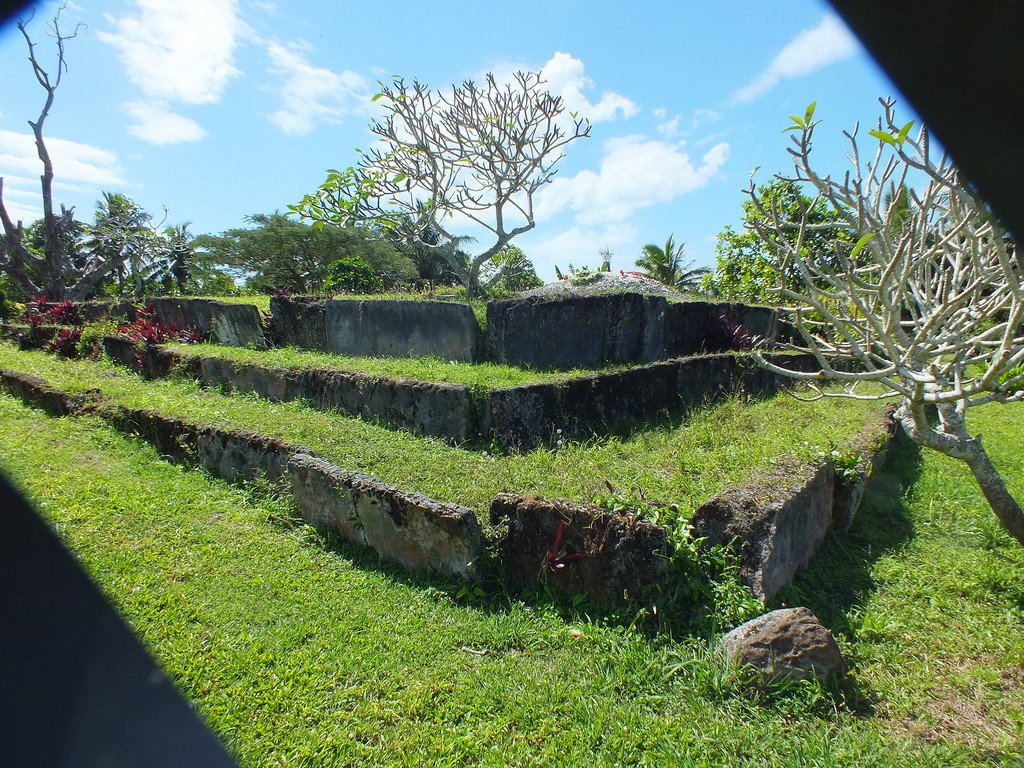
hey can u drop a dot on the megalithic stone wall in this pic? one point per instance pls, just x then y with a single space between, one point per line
377 328
694 327
234 325
576 332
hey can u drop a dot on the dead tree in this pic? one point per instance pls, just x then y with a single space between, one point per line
479 153
55 274
928 302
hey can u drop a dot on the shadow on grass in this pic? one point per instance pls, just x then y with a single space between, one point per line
838 578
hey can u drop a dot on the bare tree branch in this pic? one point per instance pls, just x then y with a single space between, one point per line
480 152
928 302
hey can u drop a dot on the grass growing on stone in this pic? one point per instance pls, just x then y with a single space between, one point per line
476 375
457 295
296 654
683 463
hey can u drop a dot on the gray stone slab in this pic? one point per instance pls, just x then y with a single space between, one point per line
383 328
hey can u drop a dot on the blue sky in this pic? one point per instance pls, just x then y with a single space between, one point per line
216 109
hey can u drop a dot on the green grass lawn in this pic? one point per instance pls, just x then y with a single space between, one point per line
299 654
683 463
477 375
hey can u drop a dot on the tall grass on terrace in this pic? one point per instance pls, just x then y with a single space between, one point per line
683 463
302 656
476 375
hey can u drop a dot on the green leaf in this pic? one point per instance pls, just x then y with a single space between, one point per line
810 112
860 244
377 97
883 136
904 131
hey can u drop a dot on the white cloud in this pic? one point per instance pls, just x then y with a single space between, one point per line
72 161
808 52
181 51
312 94
669 128
636 172
156 124
566 77
78 168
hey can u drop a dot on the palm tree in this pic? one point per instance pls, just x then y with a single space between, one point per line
666 265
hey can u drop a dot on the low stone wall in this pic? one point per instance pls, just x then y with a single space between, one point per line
36 392
437 409
234 325
576 548
577 332
695 327
516 418
29 336
377 328
521 418
407 528
781 517
871 447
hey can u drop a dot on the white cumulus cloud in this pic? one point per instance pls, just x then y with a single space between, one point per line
156 124
566 77
78 167
312 94
808 52
636 172
181 51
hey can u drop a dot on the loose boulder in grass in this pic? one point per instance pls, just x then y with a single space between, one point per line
787 644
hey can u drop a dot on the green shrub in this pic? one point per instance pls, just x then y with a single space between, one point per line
351 274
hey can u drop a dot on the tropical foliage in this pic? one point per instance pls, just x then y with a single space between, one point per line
667 265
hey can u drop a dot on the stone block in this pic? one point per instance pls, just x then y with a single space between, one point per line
576 332
694 327
234 325
385 328
576 548
780 519
407 528
299 321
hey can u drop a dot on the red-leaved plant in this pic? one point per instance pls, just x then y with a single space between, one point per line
145 327
65 343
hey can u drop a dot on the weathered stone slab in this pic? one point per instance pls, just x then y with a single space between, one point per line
38 393
787 644
576 332
521 418
780 520
383 328
407 528
234 325
299 321
574 548
872 446
694 327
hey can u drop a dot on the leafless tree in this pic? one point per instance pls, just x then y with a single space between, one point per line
478 153
55 274
928 302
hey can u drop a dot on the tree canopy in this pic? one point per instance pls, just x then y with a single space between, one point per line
280 253
473 157
748 267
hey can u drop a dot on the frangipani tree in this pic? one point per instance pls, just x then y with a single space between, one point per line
476 154
928 302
